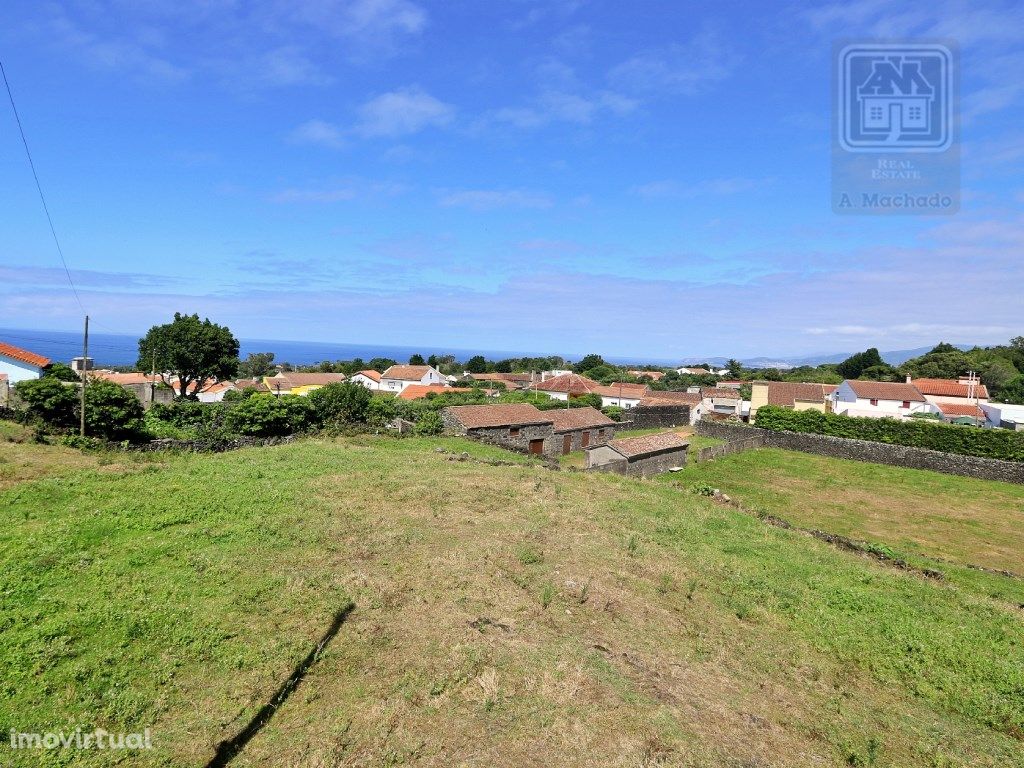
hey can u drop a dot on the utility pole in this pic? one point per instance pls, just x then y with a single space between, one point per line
85 372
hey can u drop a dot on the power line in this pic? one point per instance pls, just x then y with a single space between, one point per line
39 187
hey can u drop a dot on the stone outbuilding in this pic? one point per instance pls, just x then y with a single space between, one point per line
519 426
639 456
579 428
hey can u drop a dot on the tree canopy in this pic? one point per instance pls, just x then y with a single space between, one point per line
189 351
854 365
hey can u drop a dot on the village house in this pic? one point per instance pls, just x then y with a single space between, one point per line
579 428
296 383
398 377
671 404
566 385
369 379
621 395
254 384
723 401
693 371
17 364
519 426
639 456
876 399
799 396
652 375
510 380
1004 415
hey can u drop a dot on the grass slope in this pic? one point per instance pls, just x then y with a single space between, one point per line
504 615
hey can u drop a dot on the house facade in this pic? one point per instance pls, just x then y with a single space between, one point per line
578 428
369 379
877 399
799 396
724 401
622 395
19 364
295 383
566 385
398 377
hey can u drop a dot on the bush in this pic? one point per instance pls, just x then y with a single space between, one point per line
915 433
340 402
112 412
49 401
613 412
429 423
380 410
265 415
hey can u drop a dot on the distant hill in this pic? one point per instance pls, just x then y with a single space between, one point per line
892 357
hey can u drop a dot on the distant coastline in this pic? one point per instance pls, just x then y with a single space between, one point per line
109 349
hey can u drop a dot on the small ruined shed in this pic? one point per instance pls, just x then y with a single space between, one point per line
639 456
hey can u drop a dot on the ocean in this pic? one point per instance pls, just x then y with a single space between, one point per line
108 349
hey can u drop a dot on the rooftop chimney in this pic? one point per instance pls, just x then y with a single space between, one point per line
908 379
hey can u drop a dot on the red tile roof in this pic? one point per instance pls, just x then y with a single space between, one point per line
960 409
885 390
645 445
370 374
672 398
948 388
406 372
632 391
125 379
786 393
506 415
23 355
259 386
572 383
294 379
653 375
416 391
724 393
570 419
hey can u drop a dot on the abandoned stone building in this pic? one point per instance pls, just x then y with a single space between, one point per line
639 456
579 428
521 426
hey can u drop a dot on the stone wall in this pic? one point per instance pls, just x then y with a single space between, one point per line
651 416
878 453
733 446
520 442
644 467
596 437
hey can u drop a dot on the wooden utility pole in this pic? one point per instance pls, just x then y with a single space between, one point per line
85 372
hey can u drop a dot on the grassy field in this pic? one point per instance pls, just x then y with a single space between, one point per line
502 615
934 520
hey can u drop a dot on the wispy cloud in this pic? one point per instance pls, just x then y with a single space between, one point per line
687 68
402 112
490 199
318 132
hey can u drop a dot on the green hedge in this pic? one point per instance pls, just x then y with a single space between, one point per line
916 433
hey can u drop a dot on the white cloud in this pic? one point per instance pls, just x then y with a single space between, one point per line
318 132
687 68
490 199
402 112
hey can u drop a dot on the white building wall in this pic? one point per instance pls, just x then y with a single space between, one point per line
17 371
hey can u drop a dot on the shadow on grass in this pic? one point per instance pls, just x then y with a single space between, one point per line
229 749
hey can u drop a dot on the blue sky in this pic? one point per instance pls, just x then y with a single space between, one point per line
645 178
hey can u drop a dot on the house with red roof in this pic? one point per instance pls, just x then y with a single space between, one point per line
566 385
877 399
18 364
398 377
368 378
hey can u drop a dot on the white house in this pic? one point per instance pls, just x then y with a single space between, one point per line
875 399
398 377
19 364
967 390
724 400
622 395
369 379
1004 415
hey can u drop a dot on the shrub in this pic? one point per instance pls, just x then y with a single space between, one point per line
380 410
340 402
915 433
429 423
613 412
48 400
112 412
266 415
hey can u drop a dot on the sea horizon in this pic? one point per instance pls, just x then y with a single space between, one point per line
121 349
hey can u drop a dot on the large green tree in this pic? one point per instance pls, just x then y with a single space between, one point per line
189 352
854 365
257 365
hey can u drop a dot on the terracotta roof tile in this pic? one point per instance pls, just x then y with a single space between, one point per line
786 393
724 393
406 372
572 383
505 415
885 390
961 409
948 388
635 447
371 374
23 355
632 391
570 419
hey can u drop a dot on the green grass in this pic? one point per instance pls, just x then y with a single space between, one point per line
503 615
933 520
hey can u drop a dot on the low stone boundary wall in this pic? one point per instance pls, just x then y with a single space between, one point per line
651 416
204 446
733 446
877 453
